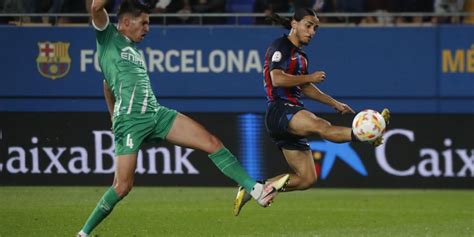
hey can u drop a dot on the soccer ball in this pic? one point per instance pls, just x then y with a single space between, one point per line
368 125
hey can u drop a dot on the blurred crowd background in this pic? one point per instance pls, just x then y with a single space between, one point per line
265 7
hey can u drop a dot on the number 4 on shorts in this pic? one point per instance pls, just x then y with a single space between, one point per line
129 141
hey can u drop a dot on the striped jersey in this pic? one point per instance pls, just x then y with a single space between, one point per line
124 69
284 55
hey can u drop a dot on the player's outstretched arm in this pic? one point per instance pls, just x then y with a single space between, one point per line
282 79
313 92
99 14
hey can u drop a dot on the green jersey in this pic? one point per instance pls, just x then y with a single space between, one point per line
125 73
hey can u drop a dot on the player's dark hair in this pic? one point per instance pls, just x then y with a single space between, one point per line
299 14
135 7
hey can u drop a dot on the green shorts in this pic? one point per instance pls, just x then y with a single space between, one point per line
131 130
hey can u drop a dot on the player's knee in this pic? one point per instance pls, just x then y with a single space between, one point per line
214 144
321 128
308 181
123 188
307 184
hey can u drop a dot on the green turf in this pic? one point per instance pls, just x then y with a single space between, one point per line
61 211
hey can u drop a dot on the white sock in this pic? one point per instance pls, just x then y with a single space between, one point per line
82 234
257 190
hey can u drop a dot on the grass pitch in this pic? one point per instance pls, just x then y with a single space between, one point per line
61 211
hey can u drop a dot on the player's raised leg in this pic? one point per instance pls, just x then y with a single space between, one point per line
307 124
187 132
123 183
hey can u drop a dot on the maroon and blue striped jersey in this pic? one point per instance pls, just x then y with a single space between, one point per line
284 55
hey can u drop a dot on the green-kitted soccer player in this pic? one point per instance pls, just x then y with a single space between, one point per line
137 117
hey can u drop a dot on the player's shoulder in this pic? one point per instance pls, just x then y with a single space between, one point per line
280 40
111 28
280 44
107 34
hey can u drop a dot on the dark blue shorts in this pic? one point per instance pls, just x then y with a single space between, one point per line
277 121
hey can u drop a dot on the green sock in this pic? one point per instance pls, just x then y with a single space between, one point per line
228 164
102 210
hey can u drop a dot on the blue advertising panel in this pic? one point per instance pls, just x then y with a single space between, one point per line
55 68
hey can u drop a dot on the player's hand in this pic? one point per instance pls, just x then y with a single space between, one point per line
318 76
343 108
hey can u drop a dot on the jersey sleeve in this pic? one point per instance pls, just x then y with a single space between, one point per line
103 35
278 57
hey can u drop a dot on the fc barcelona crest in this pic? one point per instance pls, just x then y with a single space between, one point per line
53 60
